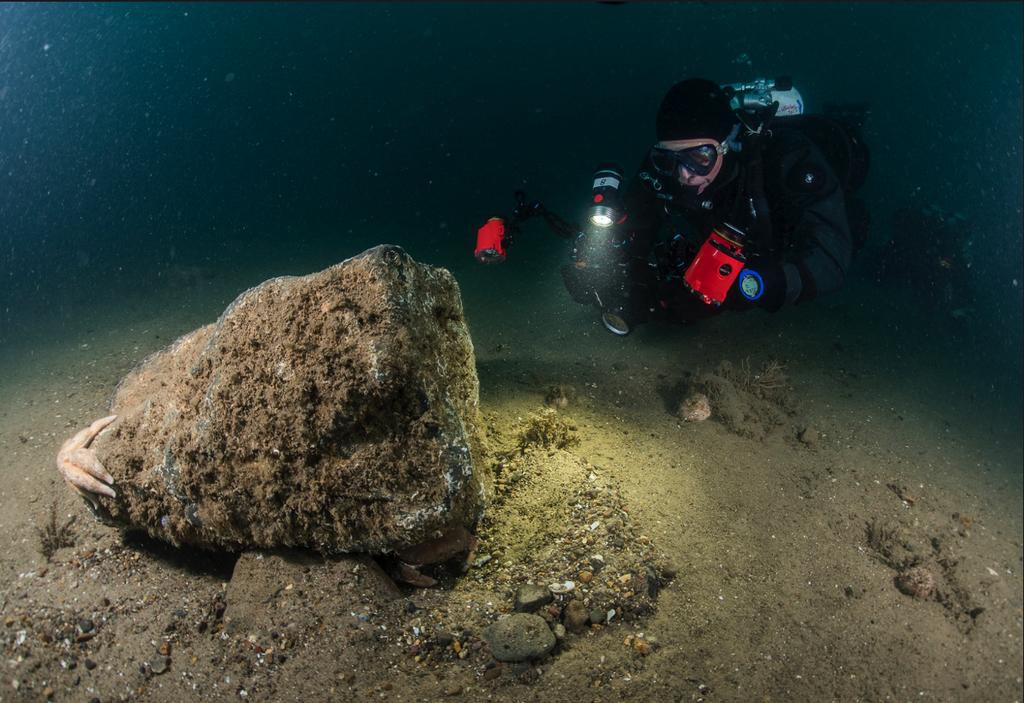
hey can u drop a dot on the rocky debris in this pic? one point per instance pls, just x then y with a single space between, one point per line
337 411
519 637
557 520
695 408
530 597
917 582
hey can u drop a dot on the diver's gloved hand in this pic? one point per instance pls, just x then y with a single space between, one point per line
761 283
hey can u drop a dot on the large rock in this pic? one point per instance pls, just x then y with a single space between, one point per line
337 411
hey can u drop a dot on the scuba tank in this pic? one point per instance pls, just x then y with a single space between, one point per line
837 132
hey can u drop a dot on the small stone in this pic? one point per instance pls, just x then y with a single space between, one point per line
519 637
564 587
597 616
917 582
575 616
530 597
86 626
48 693
596 563
90 664
695 408
165 648
492 673
586 576
452 689
159 665
559 630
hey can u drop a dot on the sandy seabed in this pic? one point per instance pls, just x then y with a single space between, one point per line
777 551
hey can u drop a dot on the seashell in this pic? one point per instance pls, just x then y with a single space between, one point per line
562 587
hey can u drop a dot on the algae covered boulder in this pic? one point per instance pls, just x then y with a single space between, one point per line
337 411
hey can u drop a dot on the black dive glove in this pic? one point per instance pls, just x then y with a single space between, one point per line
761 283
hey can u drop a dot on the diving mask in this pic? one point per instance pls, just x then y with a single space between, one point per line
698 160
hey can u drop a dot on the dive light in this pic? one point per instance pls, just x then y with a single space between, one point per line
605 199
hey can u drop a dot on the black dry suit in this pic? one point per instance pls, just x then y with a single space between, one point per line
779 189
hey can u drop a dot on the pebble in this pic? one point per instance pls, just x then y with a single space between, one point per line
530 597
519 637
559 630
86 625
586 576
159 665
642 647
48 693
565 587
165 648
597 616
452 689
90 664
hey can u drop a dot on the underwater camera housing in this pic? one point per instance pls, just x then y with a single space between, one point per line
717 264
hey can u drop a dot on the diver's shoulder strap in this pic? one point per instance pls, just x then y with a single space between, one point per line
752 207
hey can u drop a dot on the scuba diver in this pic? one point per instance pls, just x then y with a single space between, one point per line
759 196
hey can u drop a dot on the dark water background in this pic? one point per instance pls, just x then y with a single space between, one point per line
137 141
